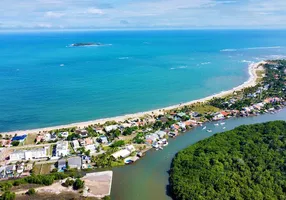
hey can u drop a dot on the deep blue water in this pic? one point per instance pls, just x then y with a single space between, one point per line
44 82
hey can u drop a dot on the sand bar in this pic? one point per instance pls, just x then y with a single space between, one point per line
252 70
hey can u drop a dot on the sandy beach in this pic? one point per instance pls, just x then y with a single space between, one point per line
252 69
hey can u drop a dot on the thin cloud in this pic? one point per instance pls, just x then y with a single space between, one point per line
142 14
54 14
94 11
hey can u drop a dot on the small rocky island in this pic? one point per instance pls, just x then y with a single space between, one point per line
83 44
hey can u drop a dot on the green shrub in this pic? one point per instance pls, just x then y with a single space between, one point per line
31 191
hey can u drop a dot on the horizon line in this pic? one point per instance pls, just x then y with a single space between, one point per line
134 29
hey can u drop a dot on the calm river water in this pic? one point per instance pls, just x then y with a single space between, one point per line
147 179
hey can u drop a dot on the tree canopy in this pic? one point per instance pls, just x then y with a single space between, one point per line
245 163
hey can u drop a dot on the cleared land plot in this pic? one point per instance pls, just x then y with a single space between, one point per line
98 183
42 168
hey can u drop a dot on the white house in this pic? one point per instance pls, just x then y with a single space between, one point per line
124 152
75 144
110 128
218 116
62 148
38 153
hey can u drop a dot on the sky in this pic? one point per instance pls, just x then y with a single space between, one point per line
141 14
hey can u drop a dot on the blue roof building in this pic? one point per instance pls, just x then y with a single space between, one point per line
20 138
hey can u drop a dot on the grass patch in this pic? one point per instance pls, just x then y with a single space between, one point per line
203 108
37 169
30 139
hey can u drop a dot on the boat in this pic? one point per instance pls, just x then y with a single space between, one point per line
222 123
165 144
209 130
204 127
161 148
224 128
216 124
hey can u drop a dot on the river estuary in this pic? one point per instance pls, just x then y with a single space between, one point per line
147 179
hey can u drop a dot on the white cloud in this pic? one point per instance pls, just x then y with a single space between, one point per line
94 11
44 25
52 14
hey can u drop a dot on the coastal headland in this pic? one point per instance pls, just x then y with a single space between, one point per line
253 69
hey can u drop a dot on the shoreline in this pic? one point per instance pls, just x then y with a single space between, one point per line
252 81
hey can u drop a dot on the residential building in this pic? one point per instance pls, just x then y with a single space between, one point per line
103 139
110 128
64 134
123 153
5 143
161 134
218 116
150 139
38 153
75 145
82 133
62 165
74 162
62 148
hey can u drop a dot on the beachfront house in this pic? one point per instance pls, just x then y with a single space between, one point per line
54 137
123 153
98 130
47 137
82 133
74 162
32 154
5 143
62 148
64 134
20 138
110 128
39 138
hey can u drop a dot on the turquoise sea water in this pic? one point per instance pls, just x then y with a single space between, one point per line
44 82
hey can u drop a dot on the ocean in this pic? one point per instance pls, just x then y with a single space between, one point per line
46 82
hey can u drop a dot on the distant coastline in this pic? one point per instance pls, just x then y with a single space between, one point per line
252 81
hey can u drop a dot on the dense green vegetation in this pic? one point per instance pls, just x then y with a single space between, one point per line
245 163
31 191
7 195
47 179
78 184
